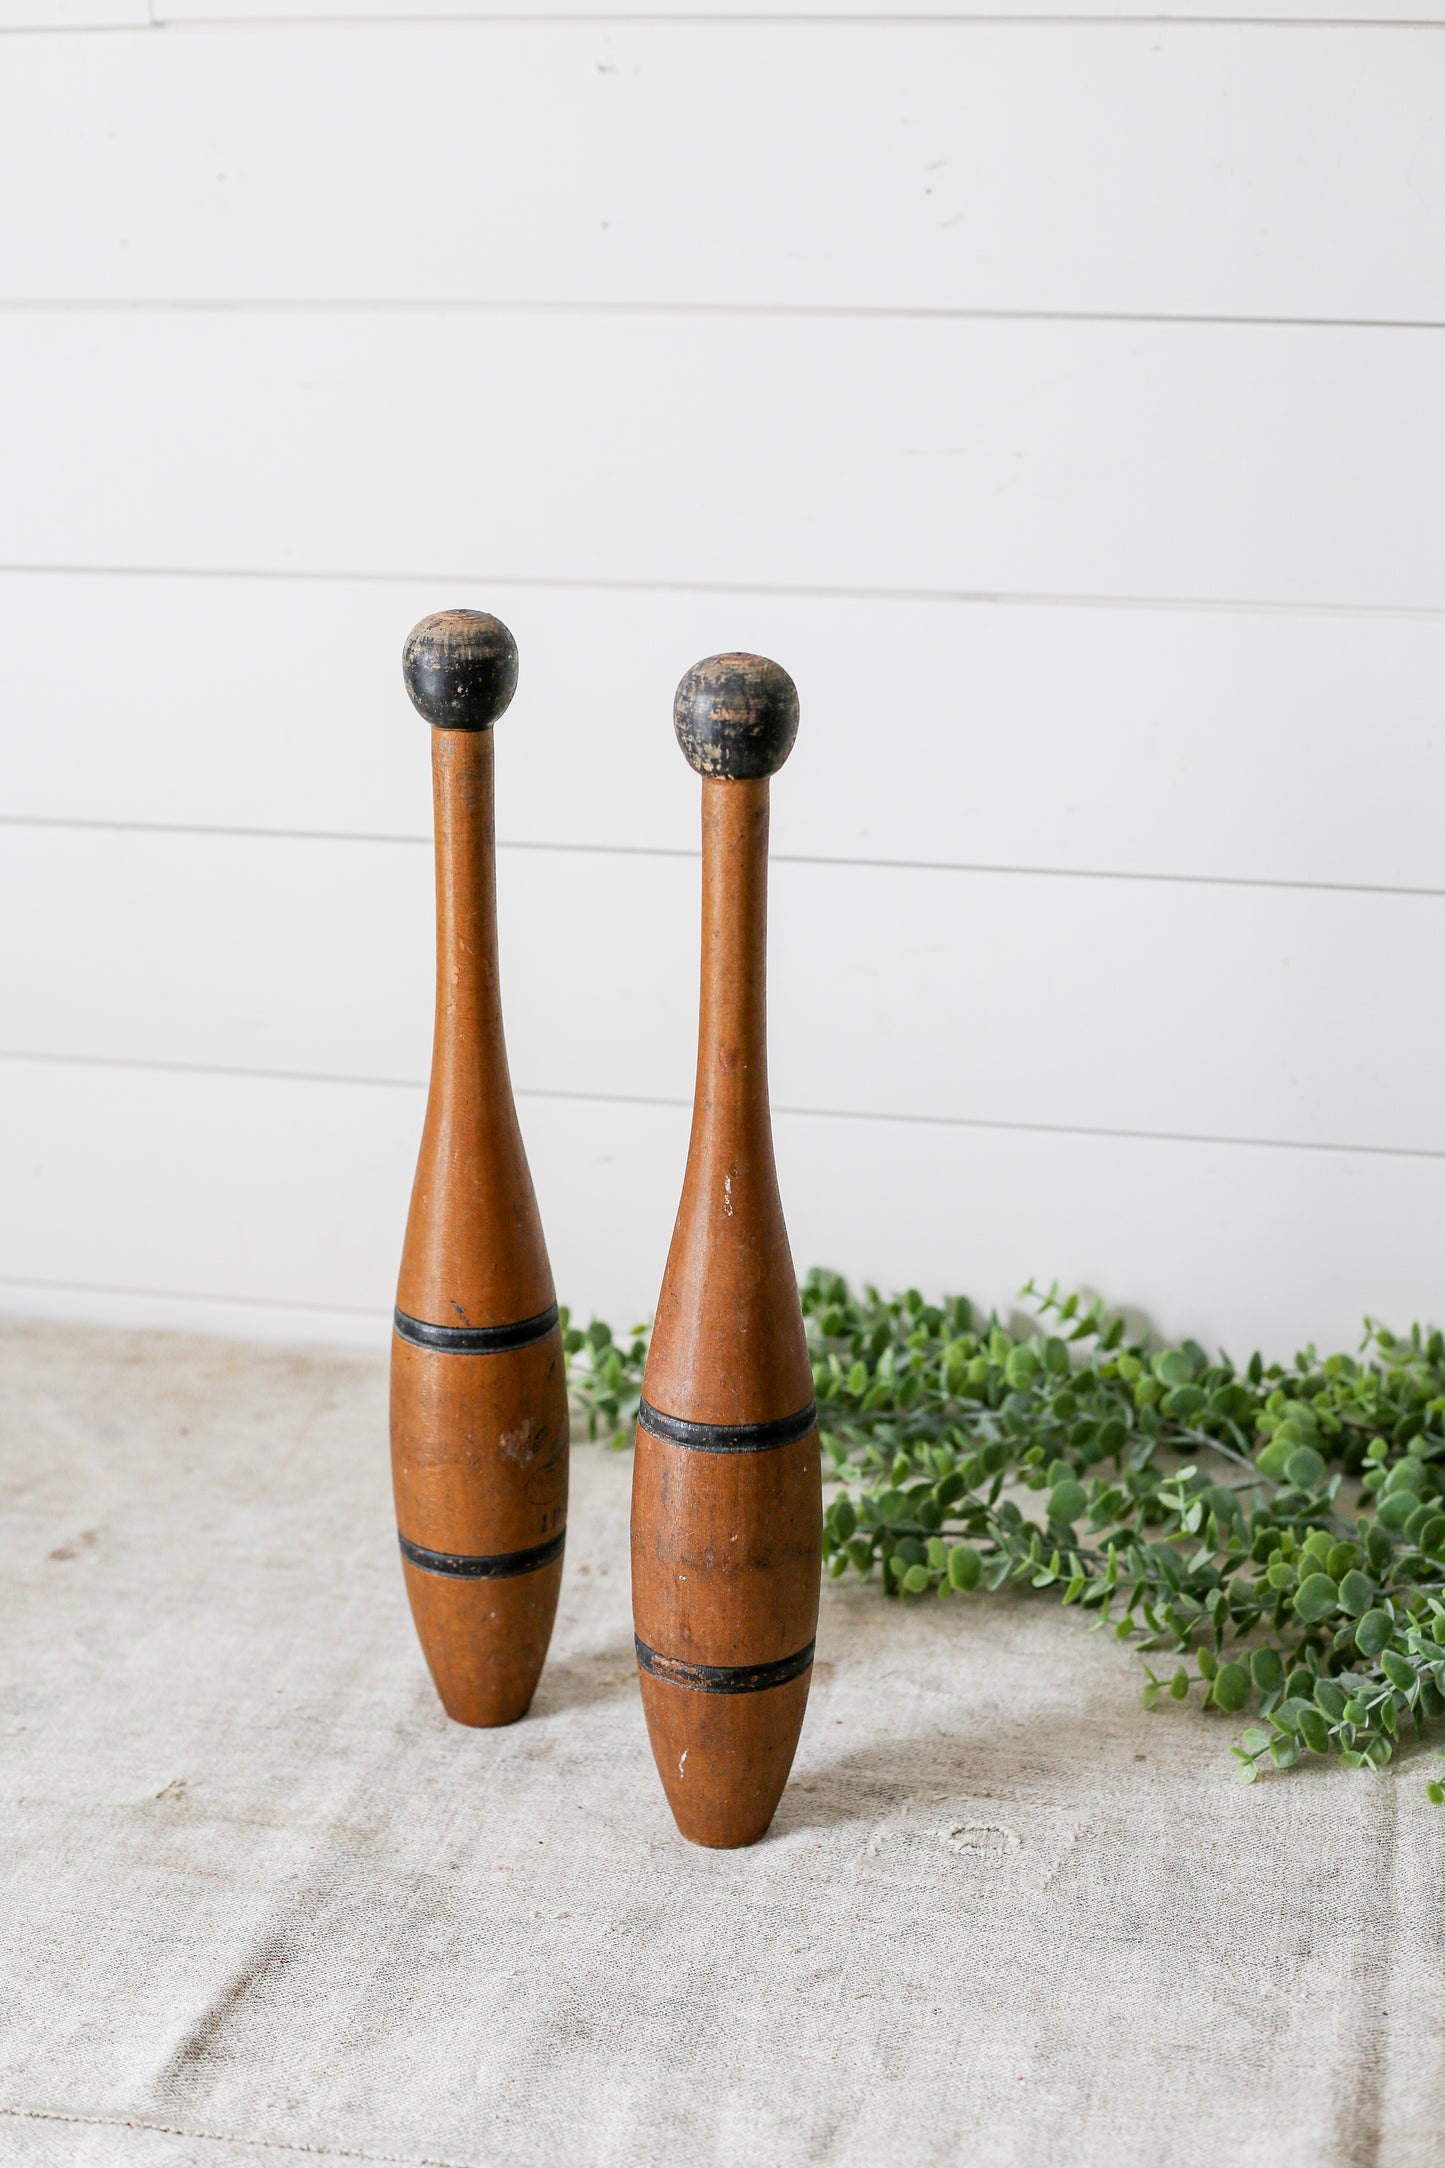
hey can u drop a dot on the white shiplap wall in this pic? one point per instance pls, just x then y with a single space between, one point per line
1059 398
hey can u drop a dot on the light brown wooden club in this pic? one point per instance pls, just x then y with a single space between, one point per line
727 1524
478 1391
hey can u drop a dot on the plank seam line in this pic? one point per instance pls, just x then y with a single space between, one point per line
822 1114
213 2137
828 311
992 598
161 21
73 30
777 858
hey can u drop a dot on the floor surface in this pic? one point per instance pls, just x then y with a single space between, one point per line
260 1901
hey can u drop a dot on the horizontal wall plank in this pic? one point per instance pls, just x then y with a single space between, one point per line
880 165
235 1189
1275 1014
1167 11
1167 461
1237 745
248 1192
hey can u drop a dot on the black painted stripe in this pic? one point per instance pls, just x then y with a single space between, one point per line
728 1437
476 1339
724 1678
501 1568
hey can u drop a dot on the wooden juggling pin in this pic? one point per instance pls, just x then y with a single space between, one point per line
726 1489
478 1391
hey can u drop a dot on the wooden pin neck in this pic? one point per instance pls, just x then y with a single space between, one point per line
732 1049
462 757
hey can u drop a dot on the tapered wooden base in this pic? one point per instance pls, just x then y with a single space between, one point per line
479 1467
479 1446
725 1550
725 1583
485 1642
723 1758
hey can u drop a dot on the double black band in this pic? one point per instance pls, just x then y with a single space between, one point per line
728 1437
476 1339
723 1678
504 1567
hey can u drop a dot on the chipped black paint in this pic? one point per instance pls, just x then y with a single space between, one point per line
736 716
728 1437
723 1678
504 1567
476 1339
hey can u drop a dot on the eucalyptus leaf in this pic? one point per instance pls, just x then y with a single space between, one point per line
1067 1501
1316 1597
1231 1687
1373 1632
1357 1593
1266 1670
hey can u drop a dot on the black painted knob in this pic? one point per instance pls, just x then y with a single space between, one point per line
736 716
460 668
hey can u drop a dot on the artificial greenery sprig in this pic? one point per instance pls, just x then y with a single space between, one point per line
1281 1529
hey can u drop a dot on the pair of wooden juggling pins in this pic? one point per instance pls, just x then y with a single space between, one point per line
726 1493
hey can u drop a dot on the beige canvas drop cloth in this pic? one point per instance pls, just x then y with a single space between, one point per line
261 1902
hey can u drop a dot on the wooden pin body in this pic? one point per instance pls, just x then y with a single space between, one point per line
479 1431
726 1498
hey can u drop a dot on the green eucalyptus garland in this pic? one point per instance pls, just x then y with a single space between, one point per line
1276 1534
